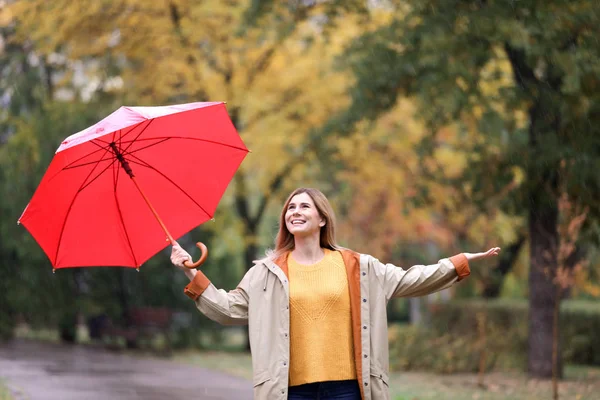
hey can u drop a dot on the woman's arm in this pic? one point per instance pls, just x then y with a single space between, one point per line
420 280
226 308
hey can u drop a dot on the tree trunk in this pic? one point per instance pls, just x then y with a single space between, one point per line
542 292
543 187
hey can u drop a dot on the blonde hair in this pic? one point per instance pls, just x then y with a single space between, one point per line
284 241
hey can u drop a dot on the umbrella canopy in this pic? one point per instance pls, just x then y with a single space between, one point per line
90 210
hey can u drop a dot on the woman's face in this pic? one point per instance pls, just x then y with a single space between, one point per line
302 217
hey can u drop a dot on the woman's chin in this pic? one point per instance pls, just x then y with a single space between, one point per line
302 233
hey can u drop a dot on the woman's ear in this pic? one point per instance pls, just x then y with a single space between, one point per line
322 223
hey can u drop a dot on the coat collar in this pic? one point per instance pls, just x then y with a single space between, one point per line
350 257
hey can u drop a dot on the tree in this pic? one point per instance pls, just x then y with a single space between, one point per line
188 51
544 112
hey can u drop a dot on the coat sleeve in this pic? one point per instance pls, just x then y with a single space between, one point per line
226 308
420 280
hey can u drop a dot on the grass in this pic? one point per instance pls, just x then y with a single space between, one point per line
580 383
5 394
497 386
42 334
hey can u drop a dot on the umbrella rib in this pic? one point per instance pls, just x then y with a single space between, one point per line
136 138
88 163
189 138
83 185
103 145
145 164
114 159
125 152
115 181
86 184
71 164
126 133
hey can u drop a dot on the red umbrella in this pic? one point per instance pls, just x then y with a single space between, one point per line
107 186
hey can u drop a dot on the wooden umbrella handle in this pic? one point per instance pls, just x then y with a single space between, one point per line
203 255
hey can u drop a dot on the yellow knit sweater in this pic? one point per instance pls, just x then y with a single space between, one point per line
321 347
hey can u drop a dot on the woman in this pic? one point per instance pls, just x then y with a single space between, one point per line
317 312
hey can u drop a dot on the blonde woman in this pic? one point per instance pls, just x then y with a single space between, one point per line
316 311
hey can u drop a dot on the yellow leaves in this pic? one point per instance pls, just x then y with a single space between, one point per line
6 15
382 171
518 175
583 282
497 73
461 83
452 161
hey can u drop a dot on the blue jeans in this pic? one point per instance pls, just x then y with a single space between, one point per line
329 390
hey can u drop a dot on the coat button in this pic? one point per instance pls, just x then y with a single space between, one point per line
364 327
364 273
284 363
285 334
282 391
365 356
366 383
364 300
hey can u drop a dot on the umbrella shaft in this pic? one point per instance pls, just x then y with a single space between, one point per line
129 172
169 237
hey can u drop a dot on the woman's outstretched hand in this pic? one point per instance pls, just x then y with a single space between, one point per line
478 256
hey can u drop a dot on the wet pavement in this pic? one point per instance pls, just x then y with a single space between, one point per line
47 371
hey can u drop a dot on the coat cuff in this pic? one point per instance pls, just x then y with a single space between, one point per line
461 264
197 286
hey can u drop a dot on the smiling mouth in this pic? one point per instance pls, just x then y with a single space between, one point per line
297 222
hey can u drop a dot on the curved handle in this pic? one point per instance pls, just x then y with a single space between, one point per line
203 255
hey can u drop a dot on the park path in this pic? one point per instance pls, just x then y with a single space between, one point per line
48 371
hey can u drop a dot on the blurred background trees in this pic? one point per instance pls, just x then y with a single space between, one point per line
434 127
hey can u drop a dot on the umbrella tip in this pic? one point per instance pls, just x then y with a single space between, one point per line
53 270
19 222
212 219
138 269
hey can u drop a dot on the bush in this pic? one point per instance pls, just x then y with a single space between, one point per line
420 348
416 348
580 325
453 342
7 327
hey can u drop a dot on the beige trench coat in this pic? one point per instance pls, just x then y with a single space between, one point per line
261 300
